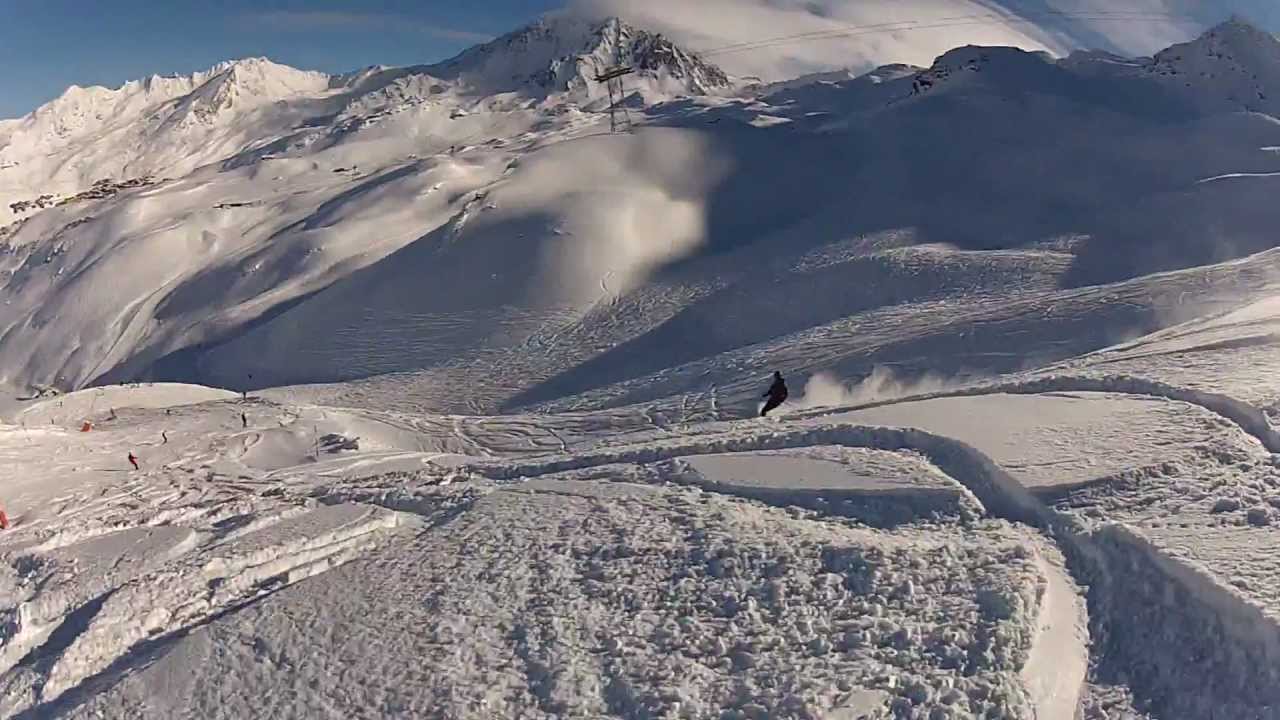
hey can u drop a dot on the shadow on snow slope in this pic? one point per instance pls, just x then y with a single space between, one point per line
1009 151
965 336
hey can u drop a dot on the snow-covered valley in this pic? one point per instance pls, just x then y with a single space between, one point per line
443 397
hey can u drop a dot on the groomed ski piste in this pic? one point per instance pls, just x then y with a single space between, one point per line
1092 538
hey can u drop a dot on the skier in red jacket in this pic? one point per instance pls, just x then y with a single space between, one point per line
133 460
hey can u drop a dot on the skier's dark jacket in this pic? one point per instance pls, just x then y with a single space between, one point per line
778 390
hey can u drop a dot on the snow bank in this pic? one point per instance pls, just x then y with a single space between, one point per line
881 489
64 634
1056 441
1186 646
1250 419
74 408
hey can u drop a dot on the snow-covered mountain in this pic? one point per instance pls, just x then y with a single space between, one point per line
1232 67
510 367
473 222
565 53
158 126
169 126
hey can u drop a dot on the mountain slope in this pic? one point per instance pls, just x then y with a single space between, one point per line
949 164
403 223
1234 66
523 360
159 126
168 127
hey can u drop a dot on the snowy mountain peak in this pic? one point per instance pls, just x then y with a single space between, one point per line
975 55
151 126
82 108
244 84
1233 65
1241 27
654 55
1233 37
566 53
247 63
263 72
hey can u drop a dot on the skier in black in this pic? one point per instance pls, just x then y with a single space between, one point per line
777 394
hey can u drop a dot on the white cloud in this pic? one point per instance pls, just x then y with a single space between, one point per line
837 33
311 20
824 34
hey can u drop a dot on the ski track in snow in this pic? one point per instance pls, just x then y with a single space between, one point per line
1237 176
1121 568
225 520
234 530
1086 529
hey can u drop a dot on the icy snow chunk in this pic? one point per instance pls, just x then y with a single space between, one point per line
1258 516
1226 505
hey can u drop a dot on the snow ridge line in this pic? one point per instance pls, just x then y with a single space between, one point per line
1249 418
1118 567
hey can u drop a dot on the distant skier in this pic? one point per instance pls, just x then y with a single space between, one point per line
164 434
777 394
133 460
244 420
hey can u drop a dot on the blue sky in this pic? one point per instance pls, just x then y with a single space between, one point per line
47 45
